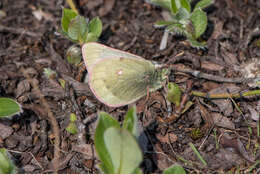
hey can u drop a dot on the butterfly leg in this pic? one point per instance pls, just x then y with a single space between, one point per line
147 94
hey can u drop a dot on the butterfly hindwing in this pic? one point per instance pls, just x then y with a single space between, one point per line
120 81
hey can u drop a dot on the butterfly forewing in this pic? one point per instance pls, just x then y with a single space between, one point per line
120 81
93 52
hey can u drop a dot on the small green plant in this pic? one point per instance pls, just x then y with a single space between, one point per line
174 169
116 146
183 21
6 165
74 55
50 74
79 30
9 107
72 127
174 93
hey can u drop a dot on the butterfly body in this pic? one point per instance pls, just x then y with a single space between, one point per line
119 78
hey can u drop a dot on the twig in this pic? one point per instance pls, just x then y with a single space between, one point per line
18 31
50 116
14 151
211 77
226 95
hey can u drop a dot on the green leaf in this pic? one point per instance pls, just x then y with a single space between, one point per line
202 4
49 73
174 93
187 106
105 122
175 5
72 128
78 29
162 23
6 165
174 169
62 82
176 29
137 171
182 16
9 107
91 38
73 55
199 22
163 3
185 4
73 117
123 149
194 43
95 26
67 16
131 122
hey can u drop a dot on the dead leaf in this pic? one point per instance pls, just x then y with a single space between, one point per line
218 30
39 15
91 4
250 69
253 113
30 168
207 86
62 162
87 149
22 87
227 159
206 116
237 145
30 71
225 105
107 7
162 159
195 116
162 139
229 58
5 131
221 121
211 66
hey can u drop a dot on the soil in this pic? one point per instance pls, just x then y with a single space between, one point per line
225 136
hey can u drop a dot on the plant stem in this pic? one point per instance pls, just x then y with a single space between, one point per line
198 154
258 128
226 95
72 6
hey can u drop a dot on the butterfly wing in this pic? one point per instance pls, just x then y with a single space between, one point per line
121 81
93 52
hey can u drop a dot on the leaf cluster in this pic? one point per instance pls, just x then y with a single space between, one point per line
184 21
78 29
117 147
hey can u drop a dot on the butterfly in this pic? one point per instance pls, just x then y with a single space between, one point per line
118 78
